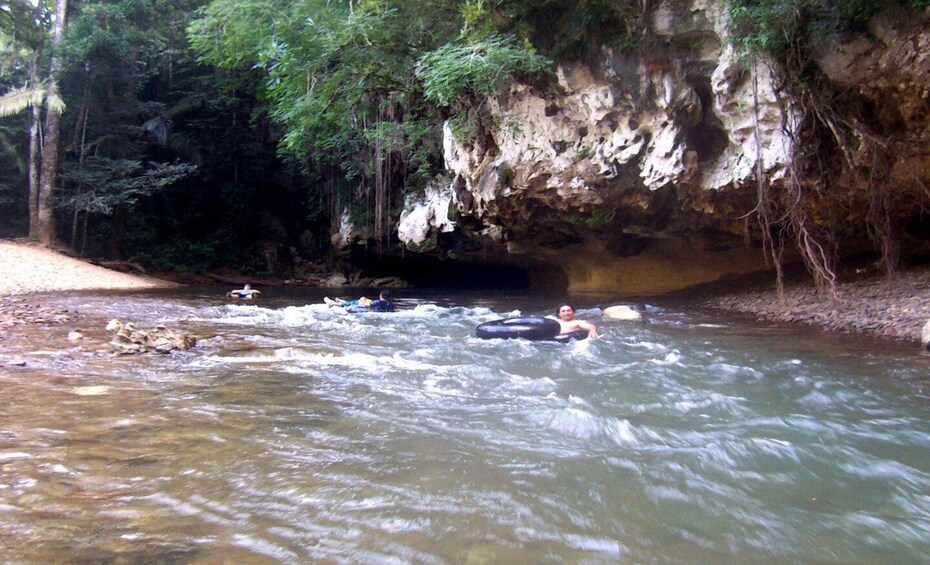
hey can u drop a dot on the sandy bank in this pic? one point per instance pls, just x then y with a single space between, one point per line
29 267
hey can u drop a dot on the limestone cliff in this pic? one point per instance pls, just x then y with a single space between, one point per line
639 174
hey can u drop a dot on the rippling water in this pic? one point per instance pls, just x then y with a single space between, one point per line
296 433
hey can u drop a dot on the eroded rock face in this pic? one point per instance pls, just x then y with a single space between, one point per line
637 175
424 217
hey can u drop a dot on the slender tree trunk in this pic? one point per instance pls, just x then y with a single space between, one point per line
52 139
34 155
79 190
80 128
35 147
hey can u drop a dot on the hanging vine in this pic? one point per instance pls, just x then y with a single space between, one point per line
842 163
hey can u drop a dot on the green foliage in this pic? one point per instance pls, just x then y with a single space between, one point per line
595 220
457 70
781 28
12 167
107 184
464 126
330 66
197 255
562 29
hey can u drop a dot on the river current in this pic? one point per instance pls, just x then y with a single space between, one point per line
296 433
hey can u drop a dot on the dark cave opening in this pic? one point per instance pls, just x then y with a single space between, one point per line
432 272
707 137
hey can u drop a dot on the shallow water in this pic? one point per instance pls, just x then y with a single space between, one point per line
295 433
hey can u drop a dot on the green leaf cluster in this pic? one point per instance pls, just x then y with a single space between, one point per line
112 183
457 70
780 28
561 29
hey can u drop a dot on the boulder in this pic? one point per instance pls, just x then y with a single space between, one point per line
128 340
621 312
337 279
925 336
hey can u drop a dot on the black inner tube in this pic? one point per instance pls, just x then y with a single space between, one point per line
576 335
534 328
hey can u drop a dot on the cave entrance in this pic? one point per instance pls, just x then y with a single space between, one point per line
431 272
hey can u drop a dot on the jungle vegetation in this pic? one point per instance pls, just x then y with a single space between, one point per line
184 134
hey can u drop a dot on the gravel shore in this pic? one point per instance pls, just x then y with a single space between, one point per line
877 306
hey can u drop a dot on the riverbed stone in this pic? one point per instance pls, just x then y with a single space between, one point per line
621 312
337 279
128 340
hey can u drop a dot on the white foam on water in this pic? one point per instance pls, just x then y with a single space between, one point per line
263 547
715 400
667 493
14 455
606 547
648 345
729 370
582 424
816 399
777 448
672 358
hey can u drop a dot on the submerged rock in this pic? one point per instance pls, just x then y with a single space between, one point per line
128 340
621 312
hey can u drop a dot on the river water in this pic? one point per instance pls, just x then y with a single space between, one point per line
295 433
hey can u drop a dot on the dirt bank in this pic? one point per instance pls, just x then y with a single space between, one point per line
895 309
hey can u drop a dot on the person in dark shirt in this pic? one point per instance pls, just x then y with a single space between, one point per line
385 302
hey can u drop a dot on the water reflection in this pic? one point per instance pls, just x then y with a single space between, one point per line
297 433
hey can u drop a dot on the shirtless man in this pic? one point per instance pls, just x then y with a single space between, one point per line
246 292
566 314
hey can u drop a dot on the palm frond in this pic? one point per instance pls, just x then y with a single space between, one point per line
18 99
55 103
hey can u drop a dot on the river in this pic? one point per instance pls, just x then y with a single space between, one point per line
296 433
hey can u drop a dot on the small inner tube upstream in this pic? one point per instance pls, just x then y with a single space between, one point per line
533 328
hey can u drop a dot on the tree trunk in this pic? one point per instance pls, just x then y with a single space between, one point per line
79 189
34 154
52 139
35 146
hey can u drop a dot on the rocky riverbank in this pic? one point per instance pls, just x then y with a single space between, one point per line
890 308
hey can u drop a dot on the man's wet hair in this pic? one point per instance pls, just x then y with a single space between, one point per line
559 307
385 294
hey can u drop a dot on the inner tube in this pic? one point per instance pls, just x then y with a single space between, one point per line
576 335
526 328
373 308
